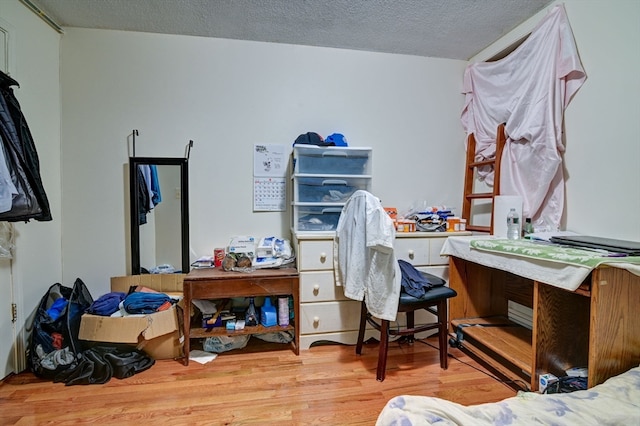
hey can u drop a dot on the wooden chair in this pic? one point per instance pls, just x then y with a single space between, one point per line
434 301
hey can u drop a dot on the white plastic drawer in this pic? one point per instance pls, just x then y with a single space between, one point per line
319 286
327 160
326 317
316 218
327 189
315 255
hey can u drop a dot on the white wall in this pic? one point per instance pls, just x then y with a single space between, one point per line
602 122
34 63
227 95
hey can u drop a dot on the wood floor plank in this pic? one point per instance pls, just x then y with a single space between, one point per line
264 384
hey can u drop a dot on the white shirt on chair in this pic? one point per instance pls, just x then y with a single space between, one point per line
364 260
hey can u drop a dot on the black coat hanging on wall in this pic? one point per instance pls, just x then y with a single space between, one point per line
28 198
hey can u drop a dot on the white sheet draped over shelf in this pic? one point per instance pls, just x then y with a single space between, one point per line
563 275
528 90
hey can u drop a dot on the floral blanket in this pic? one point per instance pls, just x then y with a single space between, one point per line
541 250
614 402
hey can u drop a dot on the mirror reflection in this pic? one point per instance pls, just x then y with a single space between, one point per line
159 215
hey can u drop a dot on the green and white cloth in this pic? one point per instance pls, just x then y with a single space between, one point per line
541 250
561 267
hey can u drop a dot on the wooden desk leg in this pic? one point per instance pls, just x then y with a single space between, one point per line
186 321
296 314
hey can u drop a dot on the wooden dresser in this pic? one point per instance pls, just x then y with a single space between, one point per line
325 313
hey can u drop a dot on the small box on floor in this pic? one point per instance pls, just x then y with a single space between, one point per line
545 380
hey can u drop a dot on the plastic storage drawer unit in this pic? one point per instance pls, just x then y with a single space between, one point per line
317 218
336 161
328 190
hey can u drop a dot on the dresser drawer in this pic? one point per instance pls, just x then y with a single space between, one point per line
319 286
435 245
325 317
421 251
315 255
413 250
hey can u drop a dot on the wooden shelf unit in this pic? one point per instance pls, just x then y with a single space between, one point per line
595 326
217 284
201 333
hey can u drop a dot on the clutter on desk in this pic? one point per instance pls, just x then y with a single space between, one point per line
203 262
426 219
246 253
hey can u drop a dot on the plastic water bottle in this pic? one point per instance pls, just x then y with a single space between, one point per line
513 225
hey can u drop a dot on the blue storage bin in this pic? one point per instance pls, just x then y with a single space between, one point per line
327 190
327 160
317 218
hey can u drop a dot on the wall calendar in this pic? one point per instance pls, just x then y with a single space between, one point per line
269 194
269 178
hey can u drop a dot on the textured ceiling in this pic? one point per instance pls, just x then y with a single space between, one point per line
453 29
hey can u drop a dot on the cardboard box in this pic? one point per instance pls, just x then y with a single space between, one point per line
166 283
158 334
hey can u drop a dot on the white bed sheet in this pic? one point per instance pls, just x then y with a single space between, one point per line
614 402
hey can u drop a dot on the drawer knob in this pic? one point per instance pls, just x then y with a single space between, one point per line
316 289
411 254
316 320
323 257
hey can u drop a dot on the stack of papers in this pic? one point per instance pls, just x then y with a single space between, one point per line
203 262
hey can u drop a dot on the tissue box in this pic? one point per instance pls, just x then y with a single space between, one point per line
243 245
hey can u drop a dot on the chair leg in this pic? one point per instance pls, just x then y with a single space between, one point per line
411 323
443 334
363 323
382 351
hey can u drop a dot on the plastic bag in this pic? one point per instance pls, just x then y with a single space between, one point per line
6 240
219 344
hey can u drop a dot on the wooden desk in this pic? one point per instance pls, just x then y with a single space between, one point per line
596 326
219 284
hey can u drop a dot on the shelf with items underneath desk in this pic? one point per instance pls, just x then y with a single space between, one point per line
325 313
582 314
218 284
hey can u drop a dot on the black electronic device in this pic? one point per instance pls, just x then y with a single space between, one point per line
630 248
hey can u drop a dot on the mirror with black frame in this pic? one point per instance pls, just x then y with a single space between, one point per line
159 216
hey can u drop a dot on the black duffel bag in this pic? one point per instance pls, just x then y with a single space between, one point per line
53 344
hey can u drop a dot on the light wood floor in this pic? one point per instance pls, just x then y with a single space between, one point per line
328 385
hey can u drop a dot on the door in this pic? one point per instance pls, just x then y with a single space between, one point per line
7 326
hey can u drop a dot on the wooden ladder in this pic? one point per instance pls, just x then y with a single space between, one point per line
470 177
